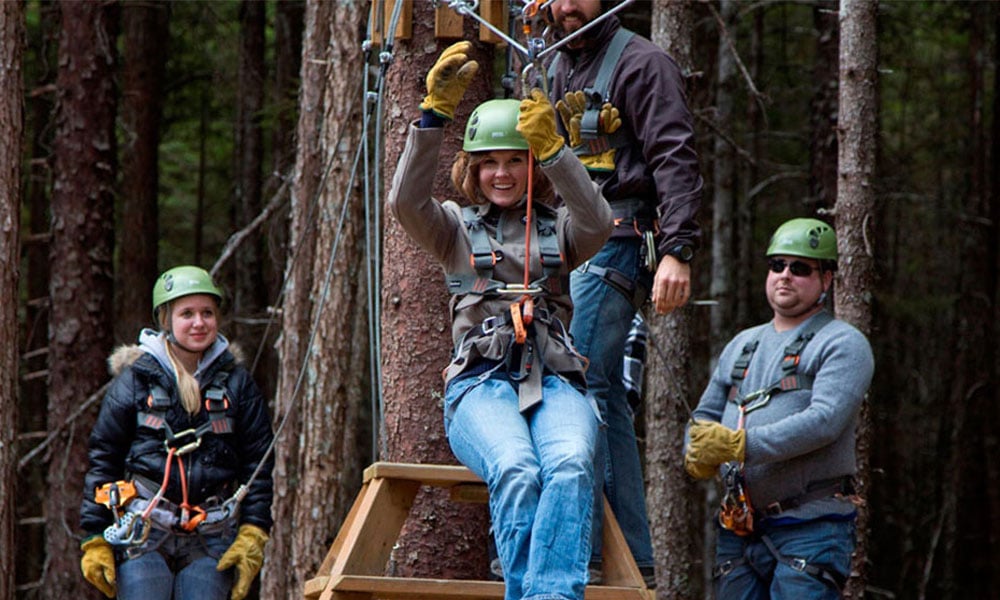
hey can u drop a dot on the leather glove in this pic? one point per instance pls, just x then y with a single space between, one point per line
98 565
537 123
571 109
699 470
448 78
246 554
609 120
712 444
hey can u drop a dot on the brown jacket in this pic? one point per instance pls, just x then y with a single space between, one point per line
583 224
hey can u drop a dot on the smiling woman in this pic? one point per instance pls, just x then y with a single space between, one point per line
515 407
180 430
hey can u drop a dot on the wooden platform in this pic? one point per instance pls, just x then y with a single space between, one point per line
353 567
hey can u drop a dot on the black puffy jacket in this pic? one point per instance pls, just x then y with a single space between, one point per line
120 447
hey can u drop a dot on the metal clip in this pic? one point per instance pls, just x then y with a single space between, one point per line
651 263
189 447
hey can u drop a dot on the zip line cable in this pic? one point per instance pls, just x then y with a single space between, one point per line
385 57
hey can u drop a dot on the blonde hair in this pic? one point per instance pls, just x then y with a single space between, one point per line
187 385
465 178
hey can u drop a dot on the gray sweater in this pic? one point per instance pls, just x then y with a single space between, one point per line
801 436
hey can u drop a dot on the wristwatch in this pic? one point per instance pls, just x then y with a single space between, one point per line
682 252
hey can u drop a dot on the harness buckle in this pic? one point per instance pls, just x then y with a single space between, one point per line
518 289
799 564
725 568
171 442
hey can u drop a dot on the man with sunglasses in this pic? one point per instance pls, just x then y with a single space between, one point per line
777 421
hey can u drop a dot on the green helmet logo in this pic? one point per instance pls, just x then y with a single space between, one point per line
183 281
810 238
493 126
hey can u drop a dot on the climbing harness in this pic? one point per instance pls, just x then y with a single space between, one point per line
820 572
736 512
137 507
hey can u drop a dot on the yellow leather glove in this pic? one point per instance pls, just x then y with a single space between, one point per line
537 123
246 554
699 470
713 444
571 109
98 565
448 79
610 119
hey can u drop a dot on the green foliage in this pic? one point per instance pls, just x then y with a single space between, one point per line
199 116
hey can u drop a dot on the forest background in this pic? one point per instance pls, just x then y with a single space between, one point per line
257 139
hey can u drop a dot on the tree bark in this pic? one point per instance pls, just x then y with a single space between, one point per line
416 328
324 345
248 151
673 502
145 32
823 107
855 210
11 143
724 184
80 335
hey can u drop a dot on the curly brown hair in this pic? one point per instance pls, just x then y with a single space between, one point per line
465 178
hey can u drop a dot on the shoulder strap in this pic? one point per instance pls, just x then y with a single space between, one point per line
742 365
598 94
483 258
789 379
216 404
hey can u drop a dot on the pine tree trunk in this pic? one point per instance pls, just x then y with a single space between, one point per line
823 107
145 33
248 275
855 210
11 142
724 184
673 501
324 345
80 336
441 538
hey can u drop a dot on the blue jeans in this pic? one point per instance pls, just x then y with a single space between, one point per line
538 467
602 318
747 570
151 577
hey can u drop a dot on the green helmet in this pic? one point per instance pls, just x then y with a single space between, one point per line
493 126
810 238
183 281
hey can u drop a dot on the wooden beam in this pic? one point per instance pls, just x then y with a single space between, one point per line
448 24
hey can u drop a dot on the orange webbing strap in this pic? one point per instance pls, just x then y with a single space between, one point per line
188 523
163 486
520 333
524 316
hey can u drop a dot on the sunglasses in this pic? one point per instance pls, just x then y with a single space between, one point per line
797 267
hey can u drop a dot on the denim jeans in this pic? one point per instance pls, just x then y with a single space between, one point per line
751 571
151 577
602 317
538 467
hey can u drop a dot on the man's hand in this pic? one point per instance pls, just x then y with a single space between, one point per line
671 285
448 79
712 444
699 470
571 112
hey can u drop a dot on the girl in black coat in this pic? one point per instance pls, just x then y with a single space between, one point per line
185 426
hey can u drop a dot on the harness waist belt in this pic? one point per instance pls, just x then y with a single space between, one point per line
814 491
167 515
